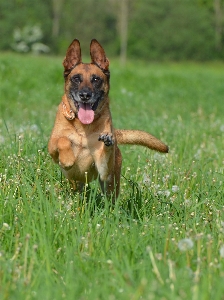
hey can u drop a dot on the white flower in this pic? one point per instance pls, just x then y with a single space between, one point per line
221 251
34 127
198 154
166 178
175 188
165 193
187 202
222 127
110 262
159 157
146 179
2 139
6 226
185 244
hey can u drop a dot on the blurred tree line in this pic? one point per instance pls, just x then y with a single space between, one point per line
146 29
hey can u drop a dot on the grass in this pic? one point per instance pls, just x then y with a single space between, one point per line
164 239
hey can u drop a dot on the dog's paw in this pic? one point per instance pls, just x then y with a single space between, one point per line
66 166
107 138
66 162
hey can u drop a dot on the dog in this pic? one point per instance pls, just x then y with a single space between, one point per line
83 141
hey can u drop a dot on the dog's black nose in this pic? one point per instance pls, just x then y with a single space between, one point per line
85 95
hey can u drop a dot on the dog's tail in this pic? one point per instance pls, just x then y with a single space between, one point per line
138 137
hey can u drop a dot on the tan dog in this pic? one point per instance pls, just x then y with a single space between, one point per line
83 141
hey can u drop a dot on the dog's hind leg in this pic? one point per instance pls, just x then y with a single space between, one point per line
76 186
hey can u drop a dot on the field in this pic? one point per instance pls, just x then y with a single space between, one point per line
164 238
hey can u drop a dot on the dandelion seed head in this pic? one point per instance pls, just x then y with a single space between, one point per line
146 179
2 139
221 251
165 193
185 244
175 188
222 127
187 202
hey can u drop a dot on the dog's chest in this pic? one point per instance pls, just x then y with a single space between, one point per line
86 149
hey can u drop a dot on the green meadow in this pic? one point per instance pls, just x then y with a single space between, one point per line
164 237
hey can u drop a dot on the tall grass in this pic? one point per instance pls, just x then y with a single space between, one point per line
164 238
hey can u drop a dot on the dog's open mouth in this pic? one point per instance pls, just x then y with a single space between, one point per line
86 111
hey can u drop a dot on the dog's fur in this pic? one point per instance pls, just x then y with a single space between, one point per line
83 141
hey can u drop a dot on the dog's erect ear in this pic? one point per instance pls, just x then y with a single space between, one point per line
98 55
73 57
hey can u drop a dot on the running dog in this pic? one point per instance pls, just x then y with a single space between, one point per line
83 141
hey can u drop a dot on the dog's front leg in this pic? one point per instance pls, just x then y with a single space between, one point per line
61 151
104 158
109 166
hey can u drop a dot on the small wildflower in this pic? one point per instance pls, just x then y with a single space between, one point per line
34 127
159 157
222 127
146 179
35 247
109 261
175 188
165 193
27 236
166 178
185 244
159 256
6 226
221 251
187 202
2 139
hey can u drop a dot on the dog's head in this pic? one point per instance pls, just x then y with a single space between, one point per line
86 85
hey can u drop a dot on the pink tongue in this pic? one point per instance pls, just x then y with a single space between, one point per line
85 114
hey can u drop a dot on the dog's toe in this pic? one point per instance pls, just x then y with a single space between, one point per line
107 138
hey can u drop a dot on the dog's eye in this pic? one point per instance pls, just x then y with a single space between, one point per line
76 79
96 80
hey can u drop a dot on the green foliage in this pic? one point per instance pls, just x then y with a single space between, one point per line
172 29
16 14
157 30
86 21
29 39
164 237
